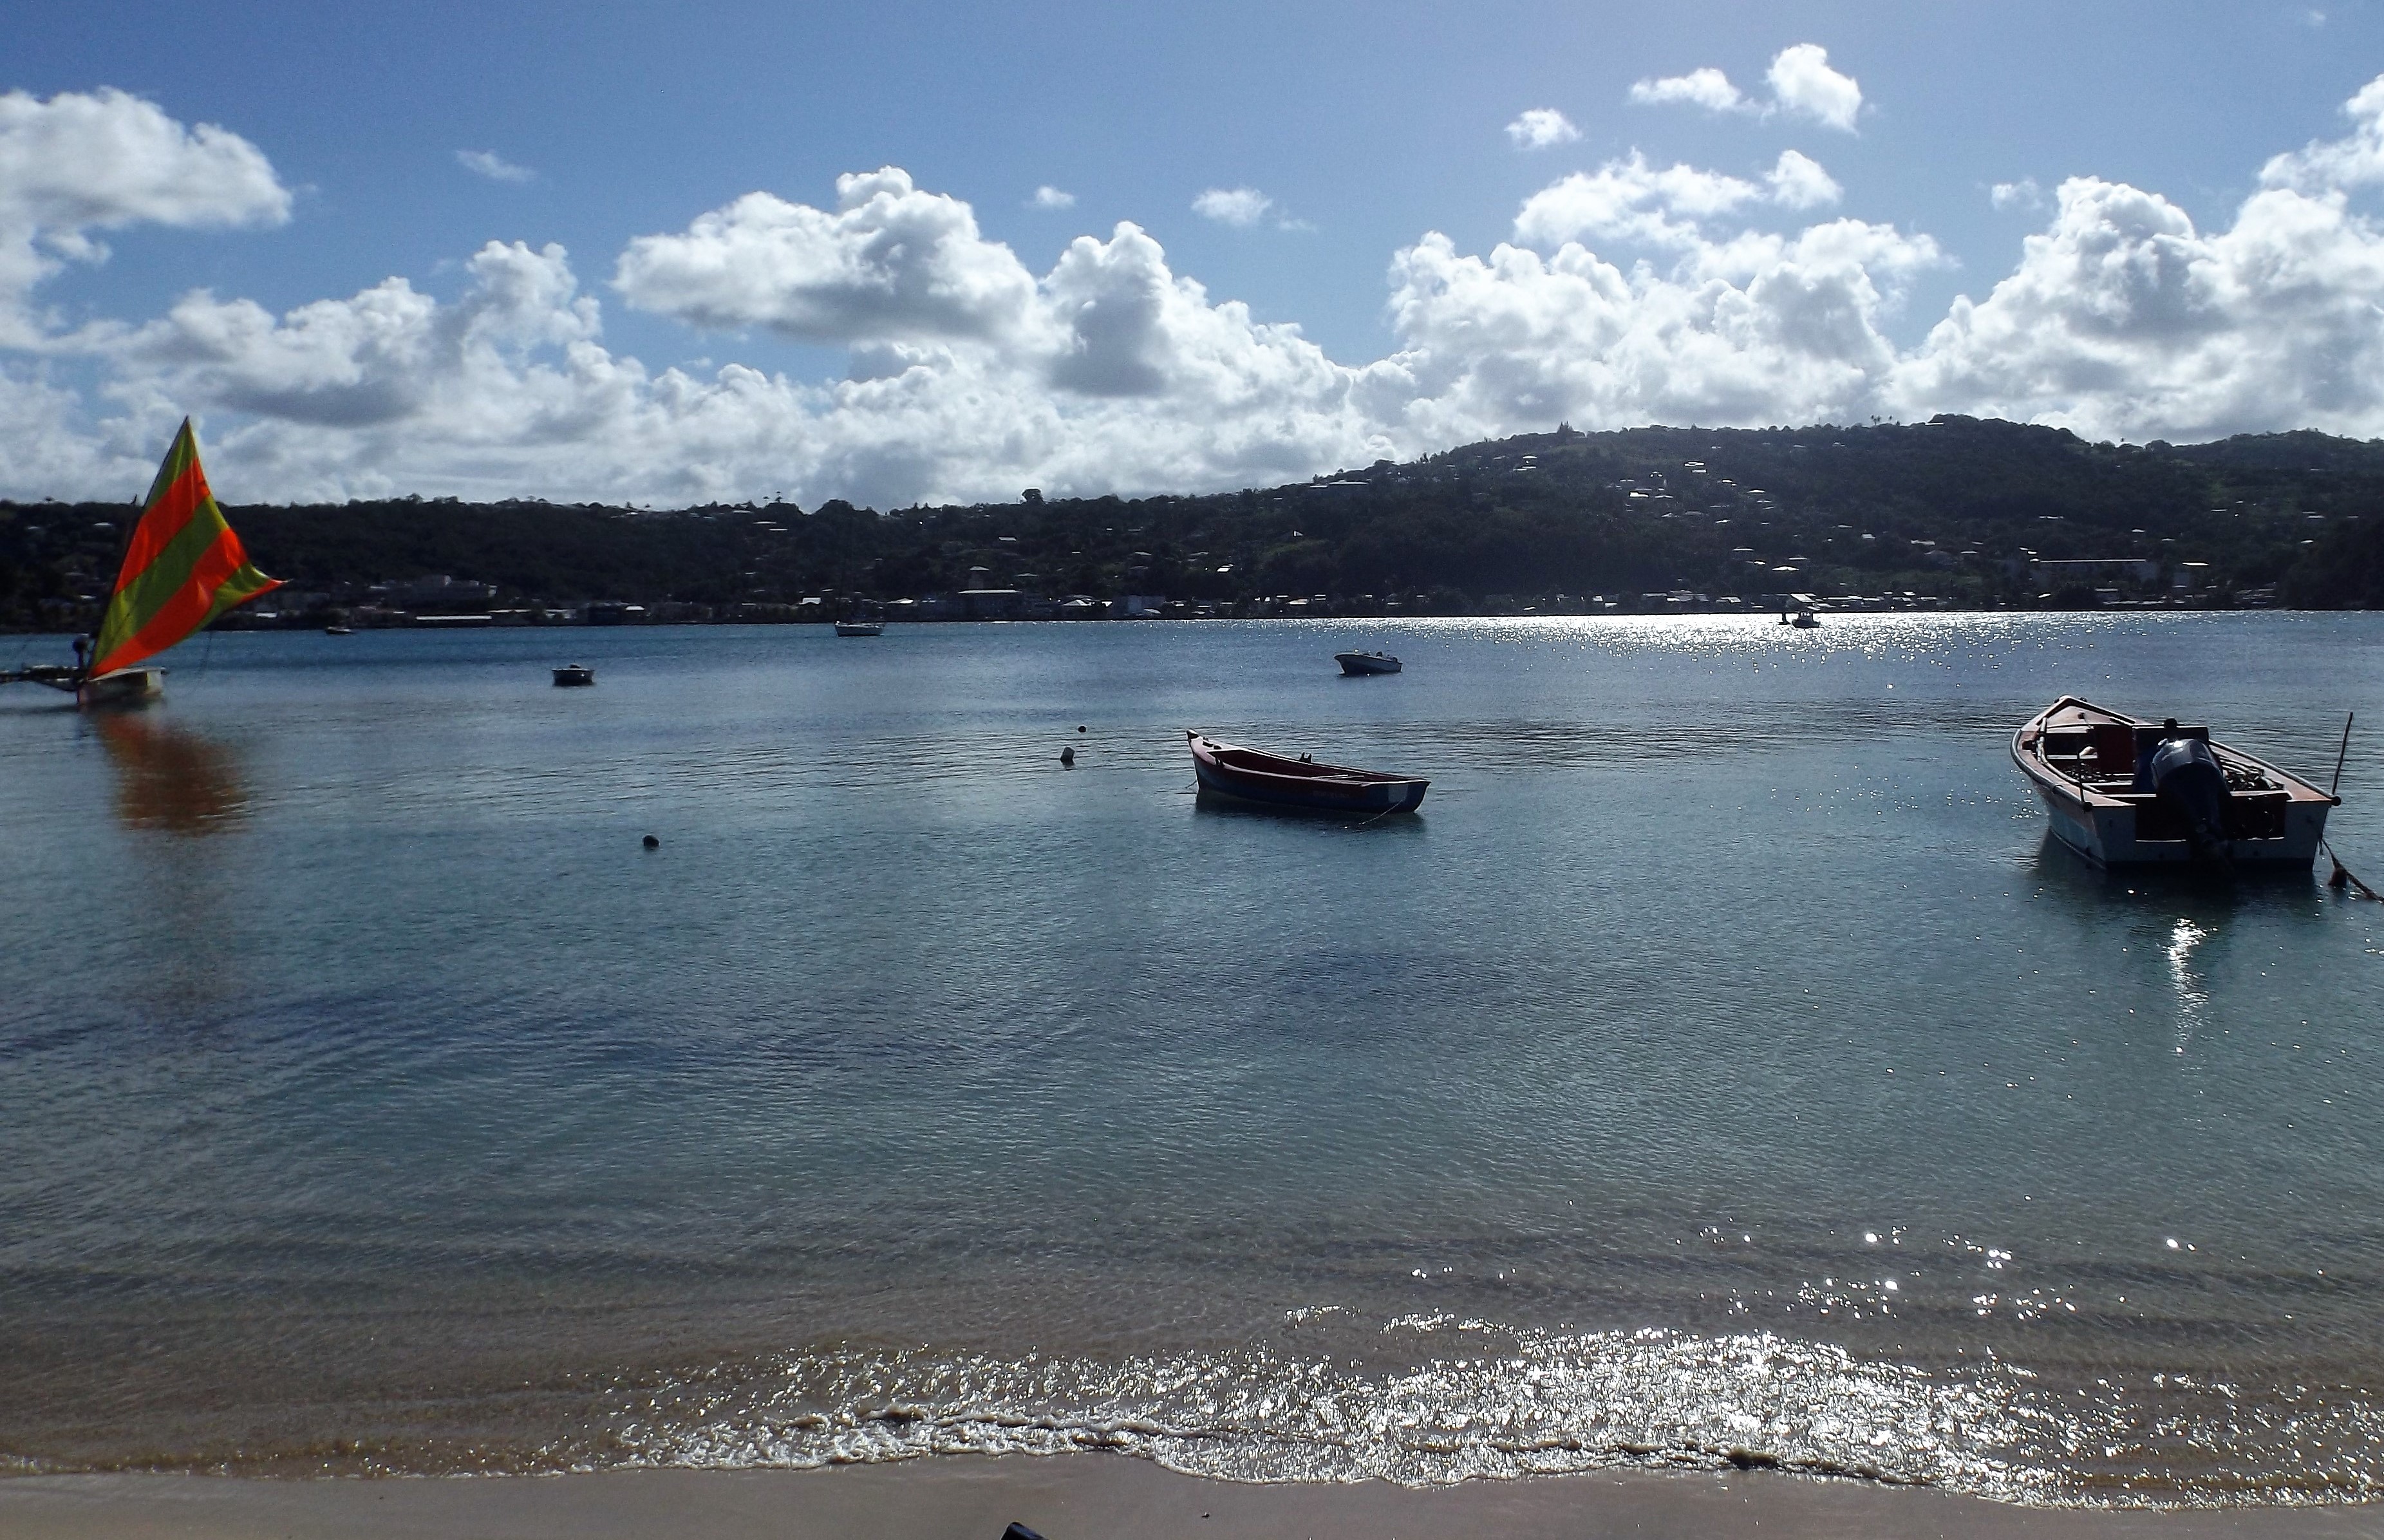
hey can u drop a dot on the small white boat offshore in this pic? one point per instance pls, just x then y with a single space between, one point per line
575 673
861 628
1367 662
2123 791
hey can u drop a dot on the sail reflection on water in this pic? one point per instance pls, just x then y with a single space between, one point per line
170 779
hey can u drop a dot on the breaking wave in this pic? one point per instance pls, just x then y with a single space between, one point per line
1505 1403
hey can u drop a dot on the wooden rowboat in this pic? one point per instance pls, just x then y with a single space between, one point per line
2107 779
1300 784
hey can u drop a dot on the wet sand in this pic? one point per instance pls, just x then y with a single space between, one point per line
1075 1498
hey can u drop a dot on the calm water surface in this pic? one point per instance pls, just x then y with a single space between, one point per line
1722 1068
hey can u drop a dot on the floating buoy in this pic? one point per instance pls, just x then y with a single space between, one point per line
652 843
1068 757
1080 727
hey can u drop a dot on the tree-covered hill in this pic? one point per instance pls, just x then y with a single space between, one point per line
1957 507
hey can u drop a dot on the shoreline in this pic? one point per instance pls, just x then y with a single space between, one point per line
1081 1496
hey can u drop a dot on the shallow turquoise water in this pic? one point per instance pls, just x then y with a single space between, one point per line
1721 1067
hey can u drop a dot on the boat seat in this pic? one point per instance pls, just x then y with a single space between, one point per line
2115 747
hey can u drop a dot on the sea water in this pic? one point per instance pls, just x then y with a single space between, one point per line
1722 1068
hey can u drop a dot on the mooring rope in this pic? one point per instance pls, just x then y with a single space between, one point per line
2342 877
2345 877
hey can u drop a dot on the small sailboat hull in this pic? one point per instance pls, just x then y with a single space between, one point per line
1257 779
2082 758
124 686
1367 662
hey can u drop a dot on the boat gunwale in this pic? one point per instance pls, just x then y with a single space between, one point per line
2027 753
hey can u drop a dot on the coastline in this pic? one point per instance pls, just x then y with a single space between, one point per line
1082 1497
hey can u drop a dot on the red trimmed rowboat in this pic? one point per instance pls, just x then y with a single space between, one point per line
1298 785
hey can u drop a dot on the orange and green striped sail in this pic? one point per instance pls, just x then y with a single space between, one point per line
183 567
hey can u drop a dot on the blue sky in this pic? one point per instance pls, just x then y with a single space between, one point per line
1365 128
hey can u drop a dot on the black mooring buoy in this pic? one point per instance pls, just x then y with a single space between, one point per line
1068 757
652 843
1080 727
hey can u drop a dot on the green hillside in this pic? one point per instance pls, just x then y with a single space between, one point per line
1956 508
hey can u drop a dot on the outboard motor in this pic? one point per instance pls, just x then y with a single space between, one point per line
2185 776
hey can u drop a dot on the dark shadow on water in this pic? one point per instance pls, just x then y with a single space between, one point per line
170 779
1207 805
2195 890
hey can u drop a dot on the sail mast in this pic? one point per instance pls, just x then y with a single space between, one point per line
123 546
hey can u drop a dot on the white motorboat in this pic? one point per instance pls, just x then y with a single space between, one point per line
1367 662
2123 791
861 628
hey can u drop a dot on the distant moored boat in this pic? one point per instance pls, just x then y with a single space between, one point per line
1367 662
575 673
861 628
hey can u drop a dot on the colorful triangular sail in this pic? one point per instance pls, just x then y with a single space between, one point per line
183 568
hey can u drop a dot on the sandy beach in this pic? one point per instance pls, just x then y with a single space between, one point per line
1075 1498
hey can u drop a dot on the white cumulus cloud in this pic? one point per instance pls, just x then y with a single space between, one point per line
1539 127
1802 83
1752 331
1049 197
1707 88
2123 320
496 168
383 356
1630 294
2023 194
78 163
1798 181
1112 370
1233 205
889 262
1630 200
2354 161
